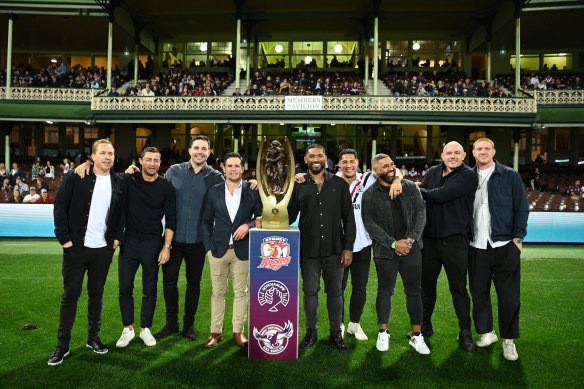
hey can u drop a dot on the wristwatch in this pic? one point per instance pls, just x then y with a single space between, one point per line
518 240
168 246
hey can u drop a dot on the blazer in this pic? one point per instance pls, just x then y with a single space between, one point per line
216 225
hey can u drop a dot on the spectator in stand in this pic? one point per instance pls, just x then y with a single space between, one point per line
147 91
113 92
6 185
41 184
49 170
45 198
36 169
3 172
284 87
413 172
534 179
32 197
16 197
426 167
15 173
354 89
237 92
575 190
65 166
20 185
403 170
345 90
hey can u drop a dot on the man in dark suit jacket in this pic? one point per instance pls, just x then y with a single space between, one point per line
229 212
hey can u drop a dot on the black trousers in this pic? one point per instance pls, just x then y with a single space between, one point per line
410 269
502 266
194 256
133 253
359 270
76 262
452 252
332 275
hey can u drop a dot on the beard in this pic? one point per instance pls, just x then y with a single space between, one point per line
387 179
316 170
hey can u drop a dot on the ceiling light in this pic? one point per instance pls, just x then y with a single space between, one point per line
416 46
49 122
53 60
308 59
204 46
278 48
338 48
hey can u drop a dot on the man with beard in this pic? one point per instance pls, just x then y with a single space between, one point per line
449 190
327 234
395 226
89 225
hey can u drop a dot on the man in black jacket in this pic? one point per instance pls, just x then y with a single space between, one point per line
327 233
449 190
88 224
395 227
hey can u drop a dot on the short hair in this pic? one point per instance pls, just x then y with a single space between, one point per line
348 151
149 149
201 137
378 158
484 140
99 142
233 155
314 146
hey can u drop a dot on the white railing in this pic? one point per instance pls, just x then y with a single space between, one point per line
559 96
49 94
329 103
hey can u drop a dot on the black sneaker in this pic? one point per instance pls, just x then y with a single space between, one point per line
465 340
337 340
310 338
58 355
167 330
190 333
96 345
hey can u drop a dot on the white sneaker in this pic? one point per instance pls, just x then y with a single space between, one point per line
509 350
127 336
383 341
487 339
418 343
343 330
147 337
355 329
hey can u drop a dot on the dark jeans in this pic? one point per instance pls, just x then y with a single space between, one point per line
76 262
502 266
359 270
452 252
133 253
194 256
410 269
332 274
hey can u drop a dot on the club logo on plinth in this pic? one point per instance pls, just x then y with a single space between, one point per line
275 253
273 339
273 293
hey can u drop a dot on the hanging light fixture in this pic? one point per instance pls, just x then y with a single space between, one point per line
338 48
204 46
416 46
308 59
278 48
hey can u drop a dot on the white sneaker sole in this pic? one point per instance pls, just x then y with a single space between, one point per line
97 352
422 352
58 363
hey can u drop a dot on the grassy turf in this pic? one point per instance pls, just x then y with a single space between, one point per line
550 347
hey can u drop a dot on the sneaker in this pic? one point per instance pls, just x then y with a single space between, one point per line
58 355
147 337
355 329
127 335
383 341
96 345
343 330
418 343
487 339
509 350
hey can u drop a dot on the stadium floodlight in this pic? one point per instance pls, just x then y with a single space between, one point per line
278 48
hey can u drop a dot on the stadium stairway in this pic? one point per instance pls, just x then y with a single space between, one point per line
382 89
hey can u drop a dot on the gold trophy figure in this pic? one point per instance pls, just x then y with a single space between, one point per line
275 177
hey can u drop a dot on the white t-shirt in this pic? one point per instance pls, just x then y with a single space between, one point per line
482 214
100 203
28 197
232 202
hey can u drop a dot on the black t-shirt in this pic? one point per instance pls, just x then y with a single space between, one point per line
397 216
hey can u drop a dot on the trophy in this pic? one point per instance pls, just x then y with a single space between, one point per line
275 178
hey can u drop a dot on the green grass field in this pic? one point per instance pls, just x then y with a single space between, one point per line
550 348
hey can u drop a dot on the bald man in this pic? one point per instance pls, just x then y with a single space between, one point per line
449 190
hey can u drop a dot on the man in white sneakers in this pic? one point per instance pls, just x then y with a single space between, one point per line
500 224
395 227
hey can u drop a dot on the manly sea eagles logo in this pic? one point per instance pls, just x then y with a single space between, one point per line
273 339
275 252
273 293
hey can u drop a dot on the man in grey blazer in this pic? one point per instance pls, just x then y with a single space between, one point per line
229 212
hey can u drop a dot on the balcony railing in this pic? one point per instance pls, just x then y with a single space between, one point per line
560 97
329 103
50 94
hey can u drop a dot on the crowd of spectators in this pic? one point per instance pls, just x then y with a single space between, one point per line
304 82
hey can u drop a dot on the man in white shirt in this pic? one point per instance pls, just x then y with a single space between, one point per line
500 224
229 211
32 197
89 225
